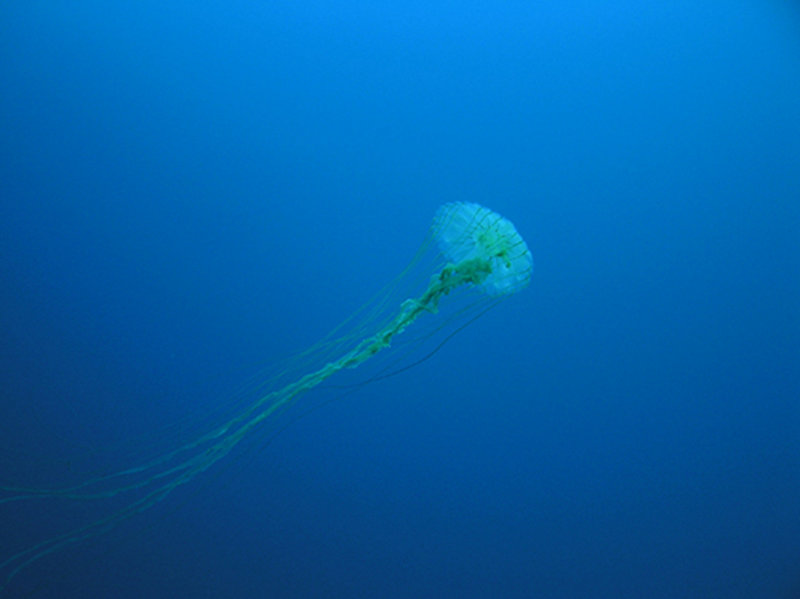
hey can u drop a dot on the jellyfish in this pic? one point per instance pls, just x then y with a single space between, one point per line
482 251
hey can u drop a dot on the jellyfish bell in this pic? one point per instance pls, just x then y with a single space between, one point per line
470 233
479 250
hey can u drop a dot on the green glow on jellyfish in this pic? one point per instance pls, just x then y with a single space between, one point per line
481 250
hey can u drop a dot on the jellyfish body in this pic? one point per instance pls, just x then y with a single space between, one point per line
469 232
482 249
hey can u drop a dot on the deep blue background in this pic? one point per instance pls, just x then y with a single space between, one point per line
193 189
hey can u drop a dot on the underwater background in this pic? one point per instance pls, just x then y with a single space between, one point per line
192 191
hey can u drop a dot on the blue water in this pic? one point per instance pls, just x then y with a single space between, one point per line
193 190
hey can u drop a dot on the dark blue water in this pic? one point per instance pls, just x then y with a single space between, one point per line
192 190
